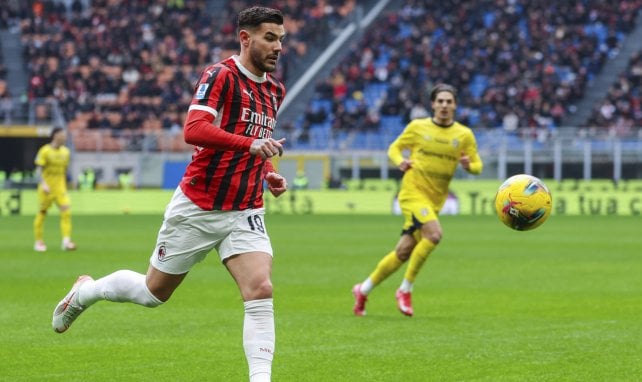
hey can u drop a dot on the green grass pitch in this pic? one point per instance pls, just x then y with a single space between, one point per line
561 303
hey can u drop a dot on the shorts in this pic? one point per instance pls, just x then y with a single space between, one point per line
45 199
189 233
417 212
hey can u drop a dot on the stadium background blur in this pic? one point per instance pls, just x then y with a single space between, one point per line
551 89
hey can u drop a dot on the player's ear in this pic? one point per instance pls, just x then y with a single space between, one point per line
244 37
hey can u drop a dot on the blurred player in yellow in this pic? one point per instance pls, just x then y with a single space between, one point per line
435 147
51 171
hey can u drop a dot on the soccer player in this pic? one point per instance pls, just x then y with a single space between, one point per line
436 146
219 202
51 172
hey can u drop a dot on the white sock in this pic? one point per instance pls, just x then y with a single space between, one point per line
258 338
366 286
406 286
120 286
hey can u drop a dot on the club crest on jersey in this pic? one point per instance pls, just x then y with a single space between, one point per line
162 251
455 143
200 92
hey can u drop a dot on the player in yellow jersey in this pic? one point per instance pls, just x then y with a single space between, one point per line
51 170
436 146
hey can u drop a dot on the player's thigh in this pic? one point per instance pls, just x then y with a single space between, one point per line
45 199
187 235
251 271
248 233
62 200
247 254
417 212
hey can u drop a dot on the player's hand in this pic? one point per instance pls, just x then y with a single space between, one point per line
276 183
45 187
405 165
267 148
464 160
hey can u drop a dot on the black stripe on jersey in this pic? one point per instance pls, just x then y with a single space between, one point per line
243 183
280 90
216 70
230 125
211 168
258 185
226 181
236 105
267 99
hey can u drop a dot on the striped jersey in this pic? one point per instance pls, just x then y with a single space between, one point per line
231 107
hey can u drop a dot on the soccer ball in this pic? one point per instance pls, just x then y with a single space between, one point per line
523 202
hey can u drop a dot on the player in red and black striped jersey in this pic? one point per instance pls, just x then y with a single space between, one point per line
231 108
219 202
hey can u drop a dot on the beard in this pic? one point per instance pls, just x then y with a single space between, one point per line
259 62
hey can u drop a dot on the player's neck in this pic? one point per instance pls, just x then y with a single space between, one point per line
443 122
246 63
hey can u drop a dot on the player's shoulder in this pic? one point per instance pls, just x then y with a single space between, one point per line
219 69
44 148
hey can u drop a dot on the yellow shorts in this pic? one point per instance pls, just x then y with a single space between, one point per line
417 212
45 199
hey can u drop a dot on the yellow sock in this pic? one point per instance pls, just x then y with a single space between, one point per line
65 223
387 266
38 224
417 258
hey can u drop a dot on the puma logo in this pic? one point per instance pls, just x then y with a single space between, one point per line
249 94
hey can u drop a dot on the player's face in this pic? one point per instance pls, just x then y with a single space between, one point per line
266 46
443 108
59 139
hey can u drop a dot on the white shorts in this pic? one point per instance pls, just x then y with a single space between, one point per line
189 233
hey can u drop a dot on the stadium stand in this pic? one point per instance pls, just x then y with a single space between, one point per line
121 70
621 111
518 64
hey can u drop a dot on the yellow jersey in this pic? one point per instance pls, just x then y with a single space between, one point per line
54 162
434 151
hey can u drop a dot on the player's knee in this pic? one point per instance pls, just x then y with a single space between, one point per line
403 252
259 291
434 237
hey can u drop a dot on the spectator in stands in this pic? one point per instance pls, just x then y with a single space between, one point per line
534 57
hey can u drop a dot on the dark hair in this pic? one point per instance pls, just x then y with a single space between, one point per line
442 88
55 131
251 18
